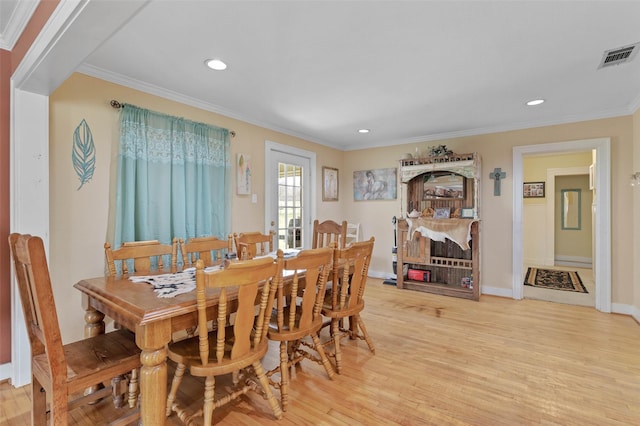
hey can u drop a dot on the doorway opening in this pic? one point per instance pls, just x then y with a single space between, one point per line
601 211
558 230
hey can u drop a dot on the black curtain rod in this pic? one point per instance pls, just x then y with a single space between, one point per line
118 105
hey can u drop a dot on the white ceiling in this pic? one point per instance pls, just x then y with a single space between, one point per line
411 71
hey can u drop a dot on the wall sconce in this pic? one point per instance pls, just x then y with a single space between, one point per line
635 179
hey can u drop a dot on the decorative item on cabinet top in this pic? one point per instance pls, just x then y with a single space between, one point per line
408 160
467 165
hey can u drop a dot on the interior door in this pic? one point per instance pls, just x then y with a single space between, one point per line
289 207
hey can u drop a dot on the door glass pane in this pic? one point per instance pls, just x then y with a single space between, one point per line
289 206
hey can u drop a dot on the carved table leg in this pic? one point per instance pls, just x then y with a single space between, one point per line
94 325
152 339
153 386
94 322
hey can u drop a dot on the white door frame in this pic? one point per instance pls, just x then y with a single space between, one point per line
270 190
602 233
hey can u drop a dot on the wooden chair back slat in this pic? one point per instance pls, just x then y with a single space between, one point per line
358 257
328 232
252 244
146 256
32 274
211 250
350 270
309 292
246 279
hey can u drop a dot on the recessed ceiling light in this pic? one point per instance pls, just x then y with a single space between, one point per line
363 131
216 64
535 102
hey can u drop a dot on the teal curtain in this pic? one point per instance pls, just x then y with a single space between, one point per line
174 178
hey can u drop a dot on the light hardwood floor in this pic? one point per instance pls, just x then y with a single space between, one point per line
447 361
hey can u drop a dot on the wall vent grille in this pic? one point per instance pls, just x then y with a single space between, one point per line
619 56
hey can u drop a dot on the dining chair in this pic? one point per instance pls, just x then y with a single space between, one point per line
328 232
298 318
235 349
353 233
63 371
252 244
346 296
145 256
211 250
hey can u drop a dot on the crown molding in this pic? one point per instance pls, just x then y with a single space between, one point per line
142 86
20 15
197 103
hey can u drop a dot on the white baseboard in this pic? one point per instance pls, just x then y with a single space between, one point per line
574 261
5 371
380 274
534 261
632 311
496 291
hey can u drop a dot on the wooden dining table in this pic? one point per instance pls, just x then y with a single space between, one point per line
153 320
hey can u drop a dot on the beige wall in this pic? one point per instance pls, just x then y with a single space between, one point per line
79 218
535 167
534 222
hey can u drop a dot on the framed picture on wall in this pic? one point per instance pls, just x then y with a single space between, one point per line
329 184
533 190
375 184
243 174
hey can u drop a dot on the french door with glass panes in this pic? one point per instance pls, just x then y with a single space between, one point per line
288 199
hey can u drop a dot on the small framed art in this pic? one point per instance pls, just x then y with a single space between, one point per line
442 213
243 174
533 190
467 214
329 184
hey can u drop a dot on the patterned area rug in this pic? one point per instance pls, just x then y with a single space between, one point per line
555 280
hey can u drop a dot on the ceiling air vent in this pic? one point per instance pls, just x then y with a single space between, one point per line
619 56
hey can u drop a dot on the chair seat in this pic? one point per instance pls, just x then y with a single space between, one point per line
327 310
116 350
285 334
187 352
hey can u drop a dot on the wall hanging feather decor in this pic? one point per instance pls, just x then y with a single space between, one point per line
83 153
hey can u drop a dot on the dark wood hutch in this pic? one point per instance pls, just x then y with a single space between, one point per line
434 247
